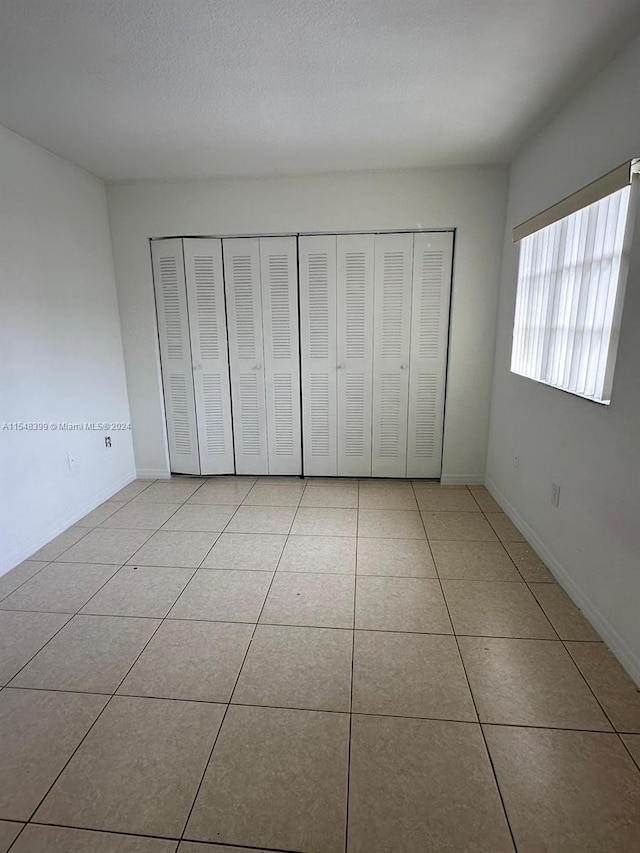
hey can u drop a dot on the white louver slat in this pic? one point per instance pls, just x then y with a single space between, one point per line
355 267
318 347
393 281
279 273
429 339
175 355
208 327
246 353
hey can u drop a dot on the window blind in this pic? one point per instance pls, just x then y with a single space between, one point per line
569 299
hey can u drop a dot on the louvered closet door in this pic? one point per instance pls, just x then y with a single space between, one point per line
208 328
279 281
318 314
244 316
429 337
355 257
175 355
392 329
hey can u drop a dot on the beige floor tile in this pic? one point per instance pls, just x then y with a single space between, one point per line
99 514
632 742
614 689
305 751
486 561
567 792
529 564
60 544
388 497
262 519
174 548
395 558
132 490
8 832
223 596
331 496
331 554
483 498
253 551
422 785
138 770
106 546
313 600
197 661
20 574
339 482
504 527
529 683
325 521
39 730
174 491
297 668
91 654
194 847
563 614
390 524
60 587
495 609
206 518
22 635
401 604
140 591
446 500
57 839
224 492
466 526
263 494
410 675
382 483
272 480
141 516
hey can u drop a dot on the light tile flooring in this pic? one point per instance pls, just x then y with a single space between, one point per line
236 663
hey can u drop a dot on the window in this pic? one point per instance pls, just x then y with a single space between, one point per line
570 291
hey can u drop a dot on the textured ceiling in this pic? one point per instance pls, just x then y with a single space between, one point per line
151 88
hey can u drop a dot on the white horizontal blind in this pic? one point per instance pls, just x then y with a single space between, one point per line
568 298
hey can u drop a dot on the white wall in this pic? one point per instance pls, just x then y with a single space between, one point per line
592 540
61 347
471 200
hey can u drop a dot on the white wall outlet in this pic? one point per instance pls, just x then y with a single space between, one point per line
71 460
555 494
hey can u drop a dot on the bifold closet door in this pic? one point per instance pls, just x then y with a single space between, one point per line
354 330
175 355
279 285
208 330
318 315
392 324
262 312
432 263
246 354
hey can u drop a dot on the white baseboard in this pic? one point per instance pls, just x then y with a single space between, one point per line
27 547
611 637
459 480
153 474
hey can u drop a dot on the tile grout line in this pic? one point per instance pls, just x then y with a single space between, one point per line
475 707
353 653
235 684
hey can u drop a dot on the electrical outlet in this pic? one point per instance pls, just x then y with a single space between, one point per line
107 441
555 494
516 461
71 460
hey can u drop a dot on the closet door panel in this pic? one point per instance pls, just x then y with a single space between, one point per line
392 329
432 263
175 355
208 329
279 279
355 260
317 265
246 353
